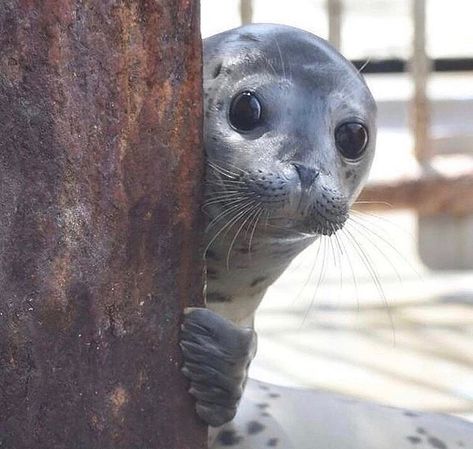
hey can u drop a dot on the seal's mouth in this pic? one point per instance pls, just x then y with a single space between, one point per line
314 224
324 213
278 202
322 226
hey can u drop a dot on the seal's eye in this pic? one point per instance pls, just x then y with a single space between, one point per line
245 111
351 139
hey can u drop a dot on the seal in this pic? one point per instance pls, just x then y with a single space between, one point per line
278 417
289 134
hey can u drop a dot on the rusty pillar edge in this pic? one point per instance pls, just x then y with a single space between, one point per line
100 175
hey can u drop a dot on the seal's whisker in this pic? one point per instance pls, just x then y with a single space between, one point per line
270 65
223 193
374 276
351 82
229 224
252 222
268 217
221 170
226 200
226 195
354 225
228 164
234 208
280 57
334 238
367 215
362 221
311 272
364 65
384 203
226 182
234 204
350 264
258 216
321 277
244 222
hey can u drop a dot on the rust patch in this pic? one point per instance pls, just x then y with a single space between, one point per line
118 399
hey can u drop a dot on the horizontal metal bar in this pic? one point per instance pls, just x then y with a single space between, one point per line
398 65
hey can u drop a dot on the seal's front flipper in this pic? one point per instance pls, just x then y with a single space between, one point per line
217 354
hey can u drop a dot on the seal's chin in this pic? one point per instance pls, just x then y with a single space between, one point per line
312 226
317 225
324 227
323 216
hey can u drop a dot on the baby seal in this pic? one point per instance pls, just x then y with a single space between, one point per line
289 136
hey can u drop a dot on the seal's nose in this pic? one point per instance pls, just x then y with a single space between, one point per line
307 175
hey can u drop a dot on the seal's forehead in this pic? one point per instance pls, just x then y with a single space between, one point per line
285 51
277 42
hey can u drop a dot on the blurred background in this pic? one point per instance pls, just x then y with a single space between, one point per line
384 312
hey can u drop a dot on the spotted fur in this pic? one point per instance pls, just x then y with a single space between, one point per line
303 419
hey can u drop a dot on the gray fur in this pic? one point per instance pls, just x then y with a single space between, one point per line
270 191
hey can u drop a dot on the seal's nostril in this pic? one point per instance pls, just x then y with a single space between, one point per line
307 175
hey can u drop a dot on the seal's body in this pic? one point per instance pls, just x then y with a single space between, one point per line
278 417
289 138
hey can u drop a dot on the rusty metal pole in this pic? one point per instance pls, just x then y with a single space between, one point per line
420 68
100 174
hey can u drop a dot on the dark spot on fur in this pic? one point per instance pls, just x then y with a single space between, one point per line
218 297
255 427
217 70
461 443
249 37
244 250
228 438
263 387
348 174
258 281
263 405
272 442
421 430
211 255
282 253
265 414
414 440
438 444
411 414
211 272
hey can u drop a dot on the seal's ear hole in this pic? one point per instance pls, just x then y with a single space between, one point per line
217 70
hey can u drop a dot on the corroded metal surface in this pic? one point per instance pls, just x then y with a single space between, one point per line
100 119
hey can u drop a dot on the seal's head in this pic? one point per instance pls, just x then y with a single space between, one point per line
289 128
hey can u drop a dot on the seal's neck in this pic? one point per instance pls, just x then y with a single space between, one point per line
238 275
